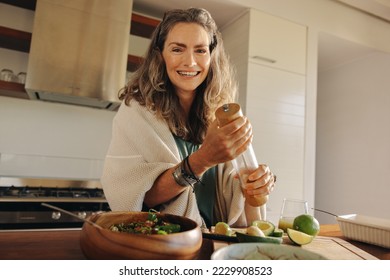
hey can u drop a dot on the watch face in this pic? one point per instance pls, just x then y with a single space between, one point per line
179 177
188 177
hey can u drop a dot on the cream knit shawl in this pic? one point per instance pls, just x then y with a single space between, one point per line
142 147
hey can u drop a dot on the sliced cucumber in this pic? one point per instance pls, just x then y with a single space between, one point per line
278 233
243 237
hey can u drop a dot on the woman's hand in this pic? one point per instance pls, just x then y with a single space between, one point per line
260 182
222 144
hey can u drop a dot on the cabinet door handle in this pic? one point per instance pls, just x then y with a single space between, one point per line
266 59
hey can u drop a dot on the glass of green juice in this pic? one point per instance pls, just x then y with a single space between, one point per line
291 208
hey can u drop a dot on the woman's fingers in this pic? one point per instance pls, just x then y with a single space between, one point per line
262 181
225 143
238 136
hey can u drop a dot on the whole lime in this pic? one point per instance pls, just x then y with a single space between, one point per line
307 223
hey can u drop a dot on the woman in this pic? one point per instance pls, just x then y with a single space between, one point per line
167 151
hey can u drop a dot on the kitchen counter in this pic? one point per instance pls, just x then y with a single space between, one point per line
41 245
54 245
64 245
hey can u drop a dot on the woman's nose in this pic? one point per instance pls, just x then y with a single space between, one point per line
189 60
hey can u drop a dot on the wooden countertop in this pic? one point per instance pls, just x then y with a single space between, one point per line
41 245
64 245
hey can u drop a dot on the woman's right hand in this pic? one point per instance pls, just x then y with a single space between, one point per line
223 144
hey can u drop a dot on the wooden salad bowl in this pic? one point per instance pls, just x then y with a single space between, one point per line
102 243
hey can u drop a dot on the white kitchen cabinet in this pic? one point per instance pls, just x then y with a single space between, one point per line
272 95
276 109
277 42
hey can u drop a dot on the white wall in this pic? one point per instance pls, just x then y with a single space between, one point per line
50 140
353 138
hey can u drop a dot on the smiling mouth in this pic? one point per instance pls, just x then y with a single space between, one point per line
188 74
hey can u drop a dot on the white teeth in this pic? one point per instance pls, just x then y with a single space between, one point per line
191 74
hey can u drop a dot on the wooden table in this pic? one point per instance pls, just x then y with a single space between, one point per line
64 245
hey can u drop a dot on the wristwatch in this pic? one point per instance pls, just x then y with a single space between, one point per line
182 178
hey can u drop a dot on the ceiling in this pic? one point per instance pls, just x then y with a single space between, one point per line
378 8
221 15
230 10
333 51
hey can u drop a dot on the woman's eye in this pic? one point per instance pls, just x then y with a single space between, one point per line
201 51
176 49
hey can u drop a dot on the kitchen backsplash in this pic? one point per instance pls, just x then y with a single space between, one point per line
35 166
49 140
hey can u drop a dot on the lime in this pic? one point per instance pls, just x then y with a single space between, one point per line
266 226
223 229
299 238
307 223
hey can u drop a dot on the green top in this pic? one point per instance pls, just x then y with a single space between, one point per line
205 193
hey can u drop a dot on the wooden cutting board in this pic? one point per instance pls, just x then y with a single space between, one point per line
332 248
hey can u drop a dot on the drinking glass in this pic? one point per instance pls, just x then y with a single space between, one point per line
21 77
291 208
7 75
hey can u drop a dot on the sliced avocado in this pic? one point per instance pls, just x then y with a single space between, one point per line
266 226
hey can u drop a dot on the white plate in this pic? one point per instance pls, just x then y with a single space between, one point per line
263 251
366 229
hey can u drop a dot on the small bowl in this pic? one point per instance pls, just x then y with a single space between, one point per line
366 229
102 243
262 251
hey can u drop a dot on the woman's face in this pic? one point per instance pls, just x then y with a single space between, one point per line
187 56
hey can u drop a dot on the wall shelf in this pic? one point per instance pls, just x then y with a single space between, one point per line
26 4
133 62
143 26
14 39
11 89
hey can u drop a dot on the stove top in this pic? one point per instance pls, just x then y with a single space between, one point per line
27 193
30 189
21 203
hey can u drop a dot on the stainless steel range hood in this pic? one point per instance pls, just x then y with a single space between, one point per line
79 51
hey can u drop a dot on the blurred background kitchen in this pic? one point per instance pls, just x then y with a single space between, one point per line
313 80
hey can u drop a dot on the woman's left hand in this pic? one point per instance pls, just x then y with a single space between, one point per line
261 181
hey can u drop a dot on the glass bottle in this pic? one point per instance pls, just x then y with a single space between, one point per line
245 163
